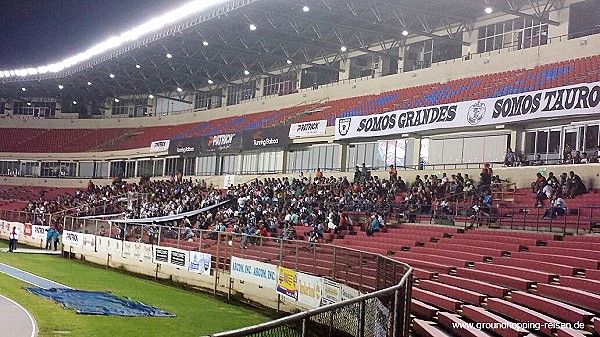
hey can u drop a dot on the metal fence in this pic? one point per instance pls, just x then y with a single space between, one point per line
383 310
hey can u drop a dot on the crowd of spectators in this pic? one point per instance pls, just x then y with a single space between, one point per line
272 206
512 159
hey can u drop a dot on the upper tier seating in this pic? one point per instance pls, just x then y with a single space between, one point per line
484 86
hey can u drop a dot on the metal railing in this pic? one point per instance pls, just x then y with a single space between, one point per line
382 310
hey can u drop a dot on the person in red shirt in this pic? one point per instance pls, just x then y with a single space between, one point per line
393 174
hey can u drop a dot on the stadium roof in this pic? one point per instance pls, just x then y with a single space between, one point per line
241 40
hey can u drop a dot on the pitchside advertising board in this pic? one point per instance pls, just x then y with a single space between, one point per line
72 239
313 291
572 100
308 129
255 272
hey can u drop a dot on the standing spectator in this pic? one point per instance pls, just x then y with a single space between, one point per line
510 157
485 176
318 175
393 174
49 238
13 239
56 238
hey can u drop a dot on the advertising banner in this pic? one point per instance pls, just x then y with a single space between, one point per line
309 290
200 263
138 249
127 248
331 293
229 142
160 146
187 147
39 232
287 282
178 257
269 138
147 253
228 180
89 242
255 272
308 129
161 255
27 230
72 239
580 99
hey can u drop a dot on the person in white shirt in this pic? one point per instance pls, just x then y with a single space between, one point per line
13 239
543 194
558 207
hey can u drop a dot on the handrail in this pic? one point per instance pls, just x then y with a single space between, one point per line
303 315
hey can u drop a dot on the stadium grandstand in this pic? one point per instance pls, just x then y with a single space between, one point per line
433 165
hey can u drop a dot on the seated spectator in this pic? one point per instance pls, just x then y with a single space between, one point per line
584 158
538 161
576 158
543 194
558 207
539 183
373 225
552 180
576 185
188 234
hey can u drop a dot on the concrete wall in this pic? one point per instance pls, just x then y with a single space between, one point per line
522 176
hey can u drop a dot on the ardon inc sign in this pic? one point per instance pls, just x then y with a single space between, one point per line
550 103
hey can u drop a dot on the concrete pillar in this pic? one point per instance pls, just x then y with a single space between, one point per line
344 157
259 87
345 65
381 66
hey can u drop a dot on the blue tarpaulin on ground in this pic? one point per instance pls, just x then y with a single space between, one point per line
98 303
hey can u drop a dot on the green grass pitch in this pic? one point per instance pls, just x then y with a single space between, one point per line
197 313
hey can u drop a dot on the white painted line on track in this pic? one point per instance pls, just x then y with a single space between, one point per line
34 330
32 275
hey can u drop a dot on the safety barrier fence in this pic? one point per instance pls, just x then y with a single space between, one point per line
383 285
